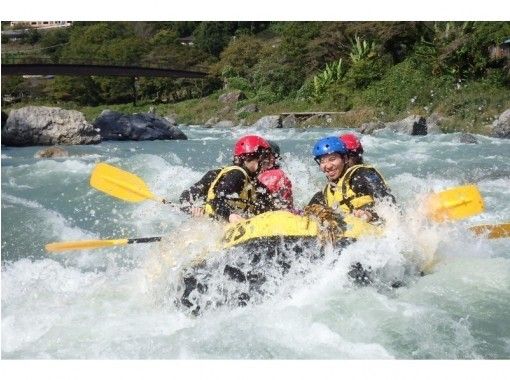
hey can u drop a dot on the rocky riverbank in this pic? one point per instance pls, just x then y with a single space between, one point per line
28 126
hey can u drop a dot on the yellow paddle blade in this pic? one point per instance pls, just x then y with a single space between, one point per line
83 244
492 231
456 203
120 184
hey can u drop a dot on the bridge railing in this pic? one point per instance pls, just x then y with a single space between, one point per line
16 59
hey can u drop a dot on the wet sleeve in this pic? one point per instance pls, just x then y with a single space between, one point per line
197 193
265 200
228 188
366 181
318 199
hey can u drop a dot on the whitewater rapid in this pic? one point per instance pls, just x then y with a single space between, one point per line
118 303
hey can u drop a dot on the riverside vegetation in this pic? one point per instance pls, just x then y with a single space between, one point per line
369 70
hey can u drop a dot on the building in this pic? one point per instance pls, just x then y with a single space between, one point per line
41 24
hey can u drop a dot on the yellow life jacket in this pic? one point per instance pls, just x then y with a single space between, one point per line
342 196
247 197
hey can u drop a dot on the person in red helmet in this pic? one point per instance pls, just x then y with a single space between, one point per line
232 193
275 179
354 149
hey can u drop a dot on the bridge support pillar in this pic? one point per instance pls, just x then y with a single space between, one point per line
135 85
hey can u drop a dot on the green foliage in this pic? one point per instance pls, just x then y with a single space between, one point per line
240 83
460 49
53 42
164 37
241 54
82 90
364 72
368 67
13 86
32 37
362 50
275 79
213 37
332 73
404 86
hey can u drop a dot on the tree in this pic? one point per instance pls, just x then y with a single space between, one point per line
212 37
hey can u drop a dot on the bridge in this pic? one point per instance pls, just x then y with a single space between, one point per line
25 65
16 65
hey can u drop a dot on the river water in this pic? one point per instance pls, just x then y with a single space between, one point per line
117 303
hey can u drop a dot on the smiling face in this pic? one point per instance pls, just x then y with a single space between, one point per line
332 165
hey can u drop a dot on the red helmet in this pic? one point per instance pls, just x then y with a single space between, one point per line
250 144
352 143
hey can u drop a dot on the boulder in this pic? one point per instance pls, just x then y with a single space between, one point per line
290 121
232 97
411 125
369 128
52 152
501 126
317 120
266 122
467 138
249 108
434 122
31 125
209 123
139 126
172 119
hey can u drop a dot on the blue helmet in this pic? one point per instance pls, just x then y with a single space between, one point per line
327 145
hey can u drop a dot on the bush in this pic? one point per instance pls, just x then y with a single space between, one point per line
402 87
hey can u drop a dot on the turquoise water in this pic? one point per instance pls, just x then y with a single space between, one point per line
118 302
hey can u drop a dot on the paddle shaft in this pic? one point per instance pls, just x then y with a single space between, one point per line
92 244
144 240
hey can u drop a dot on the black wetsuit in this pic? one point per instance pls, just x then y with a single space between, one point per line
228 188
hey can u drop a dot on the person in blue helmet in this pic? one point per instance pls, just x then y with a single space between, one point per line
352 187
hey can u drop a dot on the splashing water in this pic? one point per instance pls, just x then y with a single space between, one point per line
125 302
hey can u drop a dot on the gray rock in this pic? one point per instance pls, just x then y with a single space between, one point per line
290 121
434 123
29 126
224 124
139 126
369 128
316 121
501 126
411 125
467 138
52 152
209 123
232 97
249 108
266 122
224 111
172 119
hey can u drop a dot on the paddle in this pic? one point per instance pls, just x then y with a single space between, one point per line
90 244
492 231
456 203
121 184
